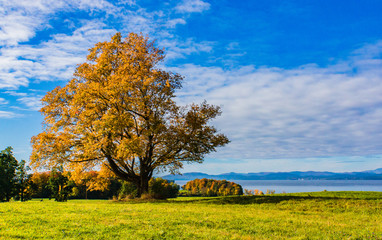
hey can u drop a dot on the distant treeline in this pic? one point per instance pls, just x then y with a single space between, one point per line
295 175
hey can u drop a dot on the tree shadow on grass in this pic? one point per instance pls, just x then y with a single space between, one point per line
262 199
244 200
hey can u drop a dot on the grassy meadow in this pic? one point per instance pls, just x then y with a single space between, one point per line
323 215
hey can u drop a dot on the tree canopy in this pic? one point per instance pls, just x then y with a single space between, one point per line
119 112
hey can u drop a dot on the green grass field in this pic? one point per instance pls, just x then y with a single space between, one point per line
324 215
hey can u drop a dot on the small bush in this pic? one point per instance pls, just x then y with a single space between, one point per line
248 192
257 192
127 189
161 188
270 192
148 196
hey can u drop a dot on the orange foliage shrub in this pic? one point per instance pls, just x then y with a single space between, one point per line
211 187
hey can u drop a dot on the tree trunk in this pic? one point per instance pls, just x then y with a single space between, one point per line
22 191
145 185
142 186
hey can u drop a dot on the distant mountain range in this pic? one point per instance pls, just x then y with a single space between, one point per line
310 175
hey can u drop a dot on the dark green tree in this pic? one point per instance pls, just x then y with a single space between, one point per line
8 166
161 188
60 185
23 182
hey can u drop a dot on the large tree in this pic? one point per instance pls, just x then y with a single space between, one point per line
119 112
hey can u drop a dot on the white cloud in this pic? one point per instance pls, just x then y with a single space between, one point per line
51 60
369 51
21 19
176 48
304 112
233 46
14 93
7 114
43 6
32 102
173 22
55 58
51 6
16 28
190 6
333 164
3 101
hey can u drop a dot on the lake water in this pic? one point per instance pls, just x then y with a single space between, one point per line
292 186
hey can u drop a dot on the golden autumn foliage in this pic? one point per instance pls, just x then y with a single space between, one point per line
40 180
119 113
210 187
93 180
91 184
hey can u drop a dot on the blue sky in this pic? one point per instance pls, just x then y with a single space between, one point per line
299 82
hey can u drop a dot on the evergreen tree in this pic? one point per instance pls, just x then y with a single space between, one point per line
8 166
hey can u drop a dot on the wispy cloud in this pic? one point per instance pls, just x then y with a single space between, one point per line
3 101
233 46
191 6
8 114
177 48
174 22
14 93
33 103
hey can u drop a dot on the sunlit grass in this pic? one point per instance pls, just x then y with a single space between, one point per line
324 215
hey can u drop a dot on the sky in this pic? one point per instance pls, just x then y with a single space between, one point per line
299 82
